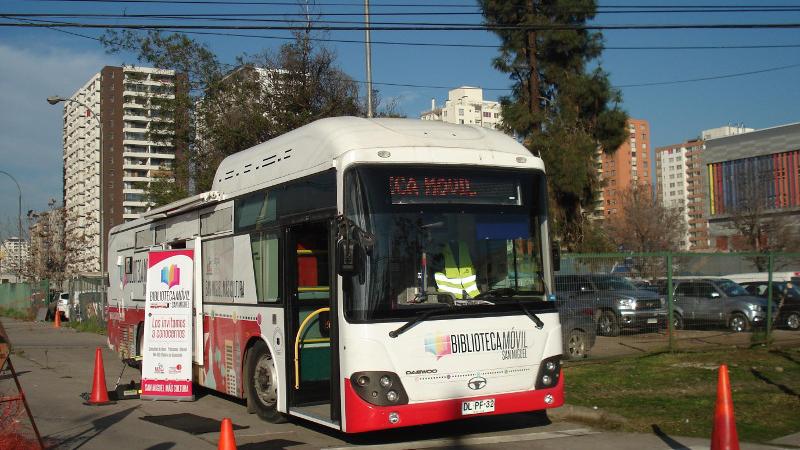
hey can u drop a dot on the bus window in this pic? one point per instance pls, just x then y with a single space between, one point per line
466 237
264 247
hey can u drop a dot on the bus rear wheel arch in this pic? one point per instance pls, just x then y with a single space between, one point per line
262 384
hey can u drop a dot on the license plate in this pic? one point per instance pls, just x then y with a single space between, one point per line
477 406
652 320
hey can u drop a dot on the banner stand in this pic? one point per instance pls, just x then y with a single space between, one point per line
168 337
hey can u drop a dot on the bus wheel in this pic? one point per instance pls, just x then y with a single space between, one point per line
262 384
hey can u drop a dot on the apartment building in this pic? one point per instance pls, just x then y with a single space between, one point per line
628 166
106 167
14 255
465 105
678 184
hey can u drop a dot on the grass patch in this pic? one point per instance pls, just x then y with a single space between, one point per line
87 326
677 391
17 314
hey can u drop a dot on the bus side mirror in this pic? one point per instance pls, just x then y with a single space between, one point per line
345 257
556 252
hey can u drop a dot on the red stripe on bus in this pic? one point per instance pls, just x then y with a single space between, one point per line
362 416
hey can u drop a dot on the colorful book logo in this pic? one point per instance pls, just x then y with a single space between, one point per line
171 275
438 345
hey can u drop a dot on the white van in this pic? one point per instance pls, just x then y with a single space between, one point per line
793 277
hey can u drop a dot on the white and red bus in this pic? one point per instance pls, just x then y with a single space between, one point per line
363 274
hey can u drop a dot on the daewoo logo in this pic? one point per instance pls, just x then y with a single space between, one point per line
421 371
476 383
171 275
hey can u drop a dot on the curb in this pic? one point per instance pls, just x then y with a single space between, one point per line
586 414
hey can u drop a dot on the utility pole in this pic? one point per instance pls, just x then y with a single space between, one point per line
369 58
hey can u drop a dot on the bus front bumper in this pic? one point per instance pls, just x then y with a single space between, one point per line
362 416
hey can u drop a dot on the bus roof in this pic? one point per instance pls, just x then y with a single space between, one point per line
314 147
318 144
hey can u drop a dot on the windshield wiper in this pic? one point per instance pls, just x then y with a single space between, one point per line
497 292
533 316
510 292
419 318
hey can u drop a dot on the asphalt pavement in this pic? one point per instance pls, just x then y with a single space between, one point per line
56 366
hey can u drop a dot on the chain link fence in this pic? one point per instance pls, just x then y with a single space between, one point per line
651 302
88 302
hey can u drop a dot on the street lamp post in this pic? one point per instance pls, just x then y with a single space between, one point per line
55 99
19 225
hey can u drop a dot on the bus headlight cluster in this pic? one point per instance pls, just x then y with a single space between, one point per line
379 388
549 371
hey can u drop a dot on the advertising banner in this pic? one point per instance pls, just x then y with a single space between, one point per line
167 345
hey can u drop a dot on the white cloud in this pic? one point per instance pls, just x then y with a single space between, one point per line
30 128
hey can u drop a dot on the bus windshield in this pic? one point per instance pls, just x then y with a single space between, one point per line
445 235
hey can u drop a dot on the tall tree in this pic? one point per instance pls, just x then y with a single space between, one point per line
643 224
227 111
559 107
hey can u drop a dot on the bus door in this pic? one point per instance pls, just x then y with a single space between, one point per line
311 327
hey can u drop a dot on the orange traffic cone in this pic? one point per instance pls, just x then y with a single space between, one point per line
57 322
226 439
99 395
723 436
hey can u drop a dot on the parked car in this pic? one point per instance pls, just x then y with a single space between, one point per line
716 301
618 303
793 277
789 312
62 305
577 329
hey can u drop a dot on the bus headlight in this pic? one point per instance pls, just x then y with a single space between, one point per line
549 371
379 388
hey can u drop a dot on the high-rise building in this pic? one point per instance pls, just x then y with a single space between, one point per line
752 176
678 184
14 254
627 167
103 187
465 105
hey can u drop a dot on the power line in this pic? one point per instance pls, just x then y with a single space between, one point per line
432 27
493 46
714 77
244 16
450 45
386 5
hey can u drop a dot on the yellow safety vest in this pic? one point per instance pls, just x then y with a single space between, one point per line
457 278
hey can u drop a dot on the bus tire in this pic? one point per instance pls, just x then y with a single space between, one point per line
262 384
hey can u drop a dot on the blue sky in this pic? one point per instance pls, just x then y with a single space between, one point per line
36 63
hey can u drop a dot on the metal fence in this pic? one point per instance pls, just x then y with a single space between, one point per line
88 301
650 302
24 298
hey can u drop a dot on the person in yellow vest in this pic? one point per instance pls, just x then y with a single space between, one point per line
457 278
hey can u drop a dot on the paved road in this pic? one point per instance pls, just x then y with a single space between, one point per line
56 366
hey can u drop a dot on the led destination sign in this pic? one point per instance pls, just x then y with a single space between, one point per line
410 188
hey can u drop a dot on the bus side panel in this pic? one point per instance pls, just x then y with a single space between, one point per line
226 331
123 329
